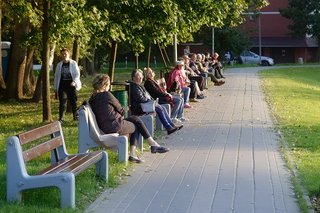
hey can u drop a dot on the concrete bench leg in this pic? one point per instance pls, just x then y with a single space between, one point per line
102 166
148 121
67 191
123 149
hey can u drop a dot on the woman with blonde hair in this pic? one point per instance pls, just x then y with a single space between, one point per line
138 95
110 118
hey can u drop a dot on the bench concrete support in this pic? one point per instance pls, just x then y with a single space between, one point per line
148 121
90 135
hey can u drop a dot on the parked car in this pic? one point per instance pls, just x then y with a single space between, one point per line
248 57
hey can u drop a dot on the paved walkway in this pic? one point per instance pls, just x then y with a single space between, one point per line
225 159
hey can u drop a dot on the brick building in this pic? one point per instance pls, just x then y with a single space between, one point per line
275 39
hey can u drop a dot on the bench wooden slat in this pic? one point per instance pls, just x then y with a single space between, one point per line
43 148
39 132
75 164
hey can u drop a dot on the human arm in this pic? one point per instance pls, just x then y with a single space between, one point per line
154 89
138 94
75 73
113 101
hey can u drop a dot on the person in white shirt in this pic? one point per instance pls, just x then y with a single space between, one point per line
67 83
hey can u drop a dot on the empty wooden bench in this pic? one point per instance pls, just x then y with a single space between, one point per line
61 173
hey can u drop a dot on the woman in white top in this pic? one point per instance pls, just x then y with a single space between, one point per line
67 83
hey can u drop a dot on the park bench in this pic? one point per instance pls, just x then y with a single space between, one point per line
40 143
90 135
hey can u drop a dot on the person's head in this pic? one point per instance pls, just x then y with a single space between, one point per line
203 56
137 76
179 64
215 55
101 83
199 57
149 73
186 59
65 54
193 56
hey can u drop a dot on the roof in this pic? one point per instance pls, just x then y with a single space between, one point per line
284 42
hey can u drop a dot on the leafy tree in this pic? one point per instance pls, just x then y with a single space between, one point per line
305 16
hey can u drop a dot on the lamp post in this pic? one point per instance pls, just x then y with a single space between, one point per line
259 25
212 50
175 48
259 38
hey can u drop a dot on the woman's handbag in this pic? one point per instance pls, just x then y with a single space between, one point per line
149 106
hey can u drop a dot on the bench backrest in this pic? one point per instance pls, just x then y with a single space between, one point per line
90 135
41 141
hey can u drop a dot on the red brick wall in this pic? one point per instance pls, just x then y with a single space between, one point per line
272 25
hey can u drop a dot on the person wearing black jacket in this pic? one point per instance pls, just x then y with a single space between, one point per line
110 118
138 95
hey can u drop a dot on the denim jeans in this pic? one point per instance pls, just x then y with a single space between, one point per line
186 93
178 106
164 117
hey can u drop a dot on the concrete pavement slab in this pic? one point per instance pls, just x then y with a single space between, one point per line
225 159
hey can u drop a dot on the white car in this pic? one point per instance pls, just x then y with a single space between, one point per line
248 57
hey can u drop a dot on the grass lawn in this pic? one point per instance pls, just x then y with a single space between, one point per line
16 117
294 97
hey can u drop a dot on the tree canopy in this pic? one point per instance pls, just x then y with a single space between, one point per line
40 25
305 16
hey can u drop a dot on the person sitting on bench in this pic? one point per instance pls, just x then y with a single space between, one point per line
110 118
139 94
156 91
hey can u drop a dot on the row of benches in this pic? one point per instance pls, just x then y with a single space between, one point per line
64 167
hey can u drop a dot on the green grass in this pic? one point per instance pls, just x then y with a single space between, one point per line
16 117
294 97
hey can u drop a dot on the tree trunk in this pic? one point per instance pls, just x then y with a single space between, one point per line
17 62
92 62
113 57
75 50
37 92
75 56
2 84
29 78
149 55
45 69
137 61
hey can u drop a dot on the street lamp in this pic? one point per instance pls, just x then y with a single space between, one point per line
175 47
259 26
212 50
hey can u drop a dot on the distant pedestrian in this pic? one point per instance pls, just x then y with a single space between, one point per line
67 83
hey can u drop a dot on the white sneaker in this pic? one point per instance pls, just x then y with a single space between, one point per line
183 119
176 121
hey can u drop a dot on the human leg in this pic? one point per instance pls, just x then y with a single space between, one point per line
72 97
62 102
177 105
193 92
128 128
200 80
181 108
186 94
142 129
164 117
